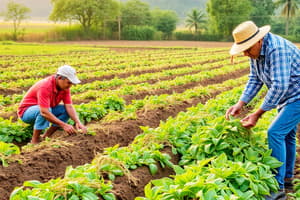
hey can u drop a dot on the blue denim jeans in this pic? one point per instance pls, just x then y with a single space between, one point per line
282 140
33 116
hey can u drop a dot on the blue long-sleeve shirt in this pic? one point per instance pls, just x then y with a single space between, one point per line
278 67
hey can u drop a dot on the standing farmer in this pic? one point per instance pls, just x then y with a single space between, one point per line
41 105
275 62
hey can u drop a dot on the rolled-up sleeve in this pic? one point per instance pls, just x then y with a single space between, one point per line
280 73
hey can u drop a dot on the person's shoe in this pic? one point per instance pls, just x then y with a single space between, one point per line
280 195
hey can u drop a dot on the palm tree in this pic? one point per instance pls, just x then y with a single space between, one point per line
289 8
194 19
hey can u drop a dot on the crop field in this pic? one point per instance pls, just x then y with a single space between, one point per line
156 126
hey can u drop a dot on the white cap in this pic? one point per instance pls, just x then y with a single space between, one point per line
68 72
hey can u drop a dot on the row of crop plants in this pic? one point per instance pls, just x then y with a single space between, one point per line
111 100
219 160
96 61
160 75
23 79
99 90
161 184
96 56
15 131
111 103
96 88
106 84
115 109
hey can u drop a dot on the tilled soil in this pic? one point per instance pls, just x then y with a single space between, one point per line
48 163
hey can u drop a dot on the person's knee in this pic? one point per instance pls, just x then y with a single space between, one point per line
64 116
61 113
274 134
41 123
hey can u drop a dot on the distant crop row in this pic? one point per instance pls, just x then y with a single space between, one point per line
13 79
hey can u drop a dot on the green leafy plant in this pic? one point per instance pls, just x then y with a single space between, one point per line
82 182
6 150
11 131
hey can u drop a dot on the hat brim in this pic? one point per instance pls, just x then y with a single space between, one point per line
238 48
74 80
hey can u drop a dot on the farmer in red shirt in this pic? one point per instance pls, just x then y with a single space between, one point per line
41 104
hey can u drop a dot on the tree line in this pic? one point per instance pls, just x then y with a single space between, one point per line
135 20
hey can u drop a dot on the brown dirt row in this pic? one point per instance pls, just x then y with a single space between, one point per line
6 92
47 163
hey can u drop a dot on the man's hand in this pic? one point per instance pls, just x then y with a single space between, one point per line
81 127
69 128
72 113
251 120
234 110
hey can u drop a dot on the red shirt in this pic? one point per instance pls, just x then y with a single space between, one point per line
45 94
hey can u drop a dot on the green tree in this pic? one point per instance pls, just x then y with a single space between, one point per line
278 26
194 19
288 10
296 27
16 13
164 21
136 12
86 12
109 11
262 11
225 15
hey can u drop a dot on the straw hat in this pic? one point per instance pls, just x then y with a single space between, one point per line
246 35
